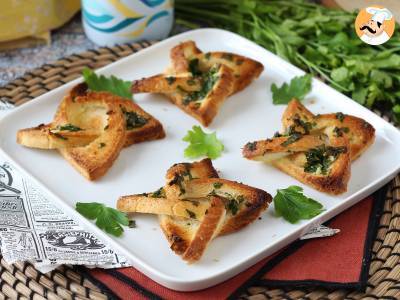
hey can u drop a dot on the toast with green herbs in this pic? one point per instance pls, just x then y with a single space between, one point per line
199 83
189 207
315 149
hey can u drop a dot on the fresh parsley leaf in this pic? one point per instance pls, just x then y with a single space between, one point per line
107 218
202 144
293 205
110 84
298 88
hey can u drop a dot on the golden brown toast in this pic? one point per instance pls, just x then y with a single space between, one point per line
140 125
86 130
202 101
199 83
54 136
185 55
359 132
275 148
189 207
97 110
321 147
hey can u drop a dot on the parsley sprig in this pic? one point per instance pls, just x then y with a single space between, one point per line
293 205
110 84
107 218
202 144
298 88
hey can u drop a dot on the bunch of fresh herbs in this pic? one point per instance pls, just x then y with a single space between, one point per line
320 40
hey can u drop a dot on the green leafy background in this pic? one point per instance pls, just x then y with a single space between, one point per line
317 39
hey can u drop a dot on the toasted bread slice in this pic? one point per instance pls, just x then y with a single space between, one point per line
206 230
154 203
325 167
53 136
94 110
186 56
164 84
200 207
201 98
244 203
140 125
333 179
275 148
359 132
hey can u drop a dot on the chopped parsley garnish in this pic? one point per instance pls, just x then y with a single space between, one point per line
132 224
293 205
228 56
340 116
251 146
68 127
180 178
160 193
170 79
207 55
107 218
232 204
320 159
133 120
291 139
217 185
191 214
60 136
339 131
208 80
194 67
298 123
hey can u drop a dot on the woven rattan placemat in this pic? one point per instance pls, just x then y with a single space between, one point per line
22 281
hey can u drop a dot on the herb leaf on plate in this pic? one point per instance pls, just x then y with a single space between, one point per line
298 88
202 144
107 218
293 205
110 84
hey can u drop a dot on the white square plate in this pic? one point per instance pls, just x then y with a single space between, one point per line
246 116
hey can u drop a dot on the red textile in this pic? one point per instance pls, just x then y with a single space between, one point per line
334 259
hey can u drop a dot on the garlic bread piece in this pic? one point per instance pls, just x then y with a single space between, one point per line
244 204
94 110
186 57
55 136
275 148
326 168
360 133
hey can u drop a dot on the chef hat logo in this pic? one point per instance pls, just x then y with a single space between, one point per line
375 25
379 14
